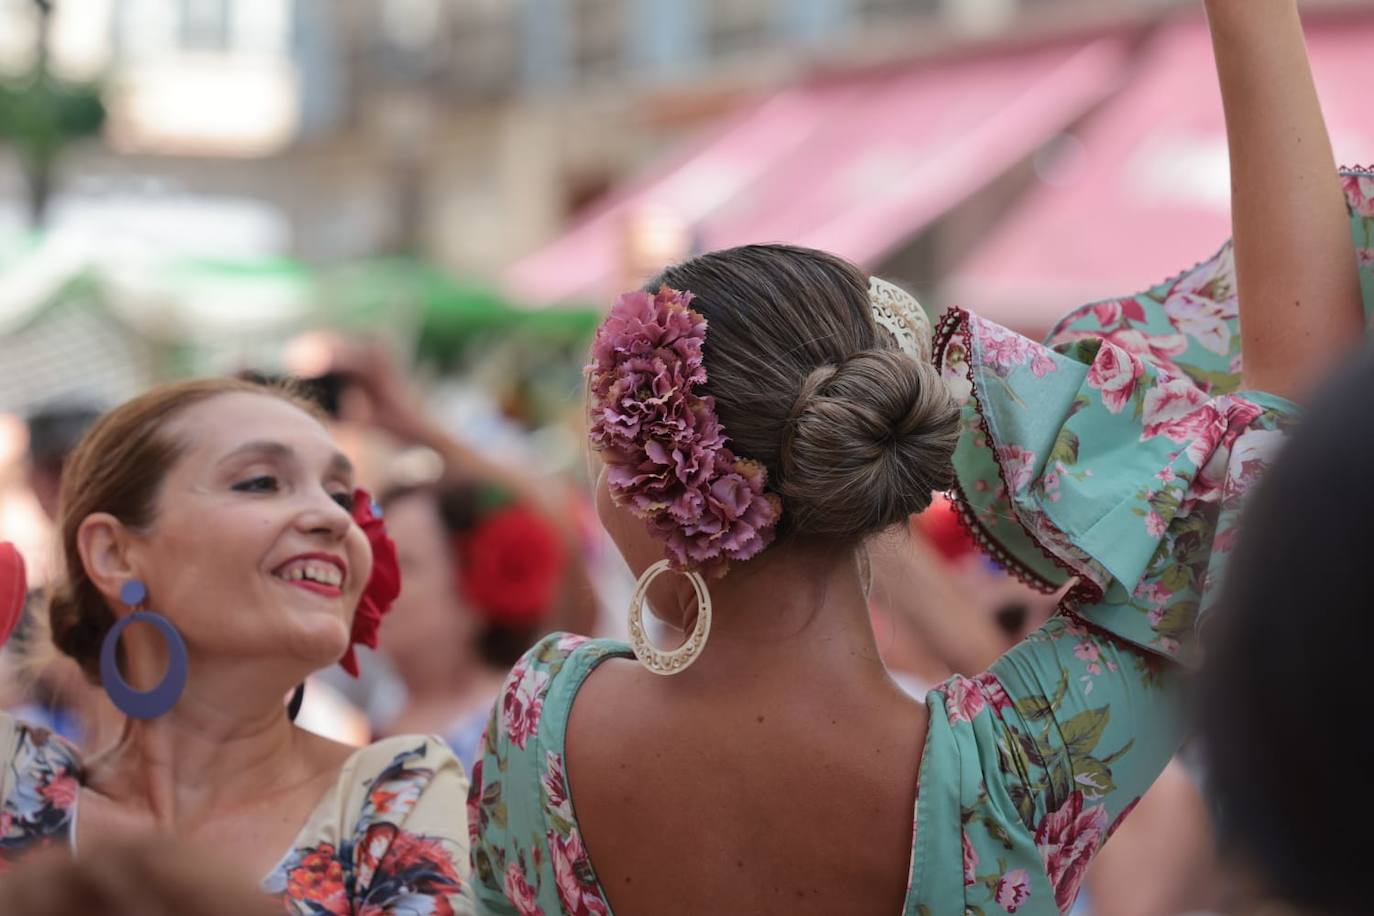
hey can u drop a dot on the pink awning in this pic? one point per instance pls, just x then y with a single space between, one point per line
856 166
1147 193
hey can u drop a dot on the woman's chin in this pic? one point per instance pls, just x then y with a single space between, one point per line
319 643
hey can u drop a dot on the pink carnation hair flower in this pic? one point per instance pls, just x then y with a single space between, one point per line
668 460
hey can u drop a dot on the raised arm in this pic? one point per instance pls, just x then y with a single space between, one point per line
1295 260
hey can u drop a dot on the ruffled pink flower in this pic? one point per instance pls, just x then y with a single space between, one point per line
1114 372
520 894
964 700
1087 652
1067 840
523 702
970 862
1359 192
572 873
1013 890
666 454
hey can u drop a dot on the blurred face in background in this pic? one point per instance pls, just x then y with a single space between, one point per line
428 616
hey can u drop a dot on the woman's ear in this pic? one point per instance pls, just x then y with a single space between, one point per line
104 544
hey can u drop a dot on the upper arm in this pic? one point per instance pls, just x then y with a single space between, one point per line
1084 715
1295 259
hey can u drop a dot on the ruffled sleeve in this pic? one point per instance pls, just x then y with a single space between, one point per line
1099 462
1119 451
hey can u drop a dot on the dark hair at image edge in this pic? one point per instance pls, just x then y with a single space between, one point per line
1284 696
855 434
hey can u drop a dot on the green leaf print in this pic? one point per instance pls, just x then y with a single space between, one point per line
1061 783
1065 449
1093 777
1082 733
1117 755
1024 801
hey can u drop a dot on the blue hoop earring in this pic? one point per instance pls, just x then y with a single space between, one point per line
143 704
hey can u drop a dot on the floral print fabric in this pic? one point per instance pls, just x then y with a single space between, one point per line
1117 457
41 777
389 837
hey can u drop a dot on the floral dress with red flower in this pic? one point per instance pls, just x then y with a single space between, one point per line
1114 460
388 837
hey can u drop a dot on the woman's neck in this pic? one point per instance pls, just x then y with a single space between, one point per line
802 606
226 744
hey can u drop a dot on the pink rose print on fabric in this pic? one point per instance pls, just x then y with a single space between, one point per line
523 703
1004 351
576 886
555 783
1203 301
1018 464
1251 454
964 700
1157 350
970 862
568 642
1359 191
1212 449
474 803
1067 840
993 692
1114 372
520 894
1013 890
1155 525
1177 410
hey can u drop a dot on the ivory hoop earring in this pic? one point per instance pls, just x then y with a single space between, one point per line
680 659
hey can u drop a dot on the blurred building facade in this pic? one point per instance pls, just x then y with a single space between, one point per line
467 130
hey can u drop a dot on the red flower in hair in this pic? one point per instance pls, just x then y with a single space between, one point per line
384 585
13 588
510 566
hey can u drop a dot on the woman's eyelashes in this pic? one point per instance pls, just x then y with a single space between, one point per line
262 483
268 483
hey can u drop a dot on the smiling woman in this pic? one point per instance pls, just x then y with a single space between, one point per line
223 513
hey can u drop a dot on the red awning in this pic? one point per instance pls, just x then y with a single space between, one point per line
1146 193
854 166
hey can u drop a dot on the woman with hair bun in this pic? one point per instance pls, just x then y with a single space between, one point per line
761 412
217 551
